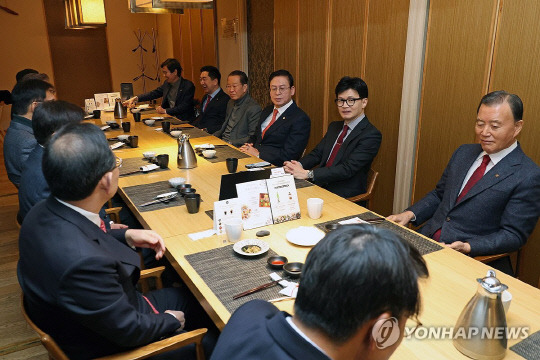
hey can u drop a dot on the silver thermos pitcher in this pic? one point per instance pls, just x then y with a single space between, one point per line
480 332
120 112
186 156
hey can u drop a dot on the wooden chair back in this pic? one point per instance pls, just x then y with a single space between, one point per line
371 181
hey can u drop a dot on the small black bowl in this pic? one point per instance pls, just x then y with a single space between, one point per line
293 269
186 191
182 187
331 226
273 259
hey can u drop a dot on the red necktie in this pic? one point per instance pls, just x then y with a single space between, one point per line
337 146
274 116
102 226
207 102
475 177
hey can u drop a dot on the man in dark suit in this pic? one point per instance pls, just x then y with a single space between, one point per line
283 130
242 114
344 155
488 198
177 93
214 102
78 280
346 306
19 140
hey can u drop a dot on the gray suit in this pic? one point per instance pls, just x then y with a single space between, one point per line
499 212
243 116
18 143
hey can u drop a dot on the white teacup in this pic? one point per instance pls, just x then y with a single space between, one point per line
314 207
233 229
506 298
209 153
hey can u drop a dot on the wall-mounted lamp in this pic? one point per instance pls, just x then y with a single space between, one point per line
168 6
84 14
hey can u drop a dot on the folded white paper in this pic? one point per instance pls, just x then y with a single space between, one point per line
201 234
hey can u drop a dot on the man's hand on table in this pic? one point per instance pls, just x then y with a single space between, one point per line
296 169
130 102
160 110
146 239
248 148
179 315
115 226
462 247
403 218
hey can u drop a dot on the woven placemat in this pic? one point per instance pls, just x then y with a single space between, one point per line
132 164
139 194
422 245
194 132
300 183
529 348
225 152
227 274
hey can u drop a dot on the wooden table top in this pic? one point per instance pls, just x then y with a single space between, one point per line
452 279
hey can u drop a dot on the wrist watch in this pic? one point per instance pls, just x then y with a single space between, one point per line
310 174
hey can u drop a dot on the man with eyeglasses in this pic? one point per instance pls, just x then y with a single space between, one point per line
243 112
19 140
283 130
345 153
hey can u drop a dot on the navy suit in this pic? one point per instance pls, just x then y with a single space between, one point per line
258 330
79 284
33 187
214 116
497 215
18 143
348 174
183 107
286 139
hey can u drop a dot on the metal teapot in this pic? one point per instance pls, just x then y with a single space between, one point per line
120 111
186 156
480 332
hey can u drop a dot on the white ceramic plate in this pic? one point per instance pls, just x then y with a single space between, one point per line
304 236
237 247
157 118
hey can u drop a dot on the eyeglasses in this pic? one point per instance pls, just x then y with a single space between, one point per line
417 326
118 163
279 89
350 101
234 86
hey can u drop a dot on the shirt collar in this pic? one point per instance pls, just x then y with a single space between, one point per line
87 214
213 95
22 120
297 329
498 156
282 109
352 124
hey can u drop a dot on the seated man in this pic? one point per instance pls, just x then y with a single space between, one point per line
243 111
283 130
48 118
341 306
79 281
214 102
344 155
177 93
488 198
19 140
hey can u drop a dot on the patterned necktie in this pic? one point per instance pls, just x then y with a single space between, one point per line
475 177
274 116
207 102
337 146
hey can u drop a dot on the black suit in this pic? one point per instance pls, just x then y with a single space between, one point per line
348 174
183 107
213 117
79 284
286 139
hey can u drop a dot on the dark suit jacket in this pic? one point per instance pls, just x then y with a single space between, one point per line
348 174
18 143
497 215
212 119
79 284
258 330
33 187
243 115
183 107
286 139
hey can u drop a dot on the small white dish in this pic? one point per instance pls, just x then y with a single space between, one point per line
157 118
123 137
105 127
117 145
177 181
304 235
135 110
239 246
176 133
109 109
149 122
205 146
149 154
209 153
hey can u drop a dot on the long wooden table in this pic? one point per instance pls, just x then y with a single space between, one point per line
451 284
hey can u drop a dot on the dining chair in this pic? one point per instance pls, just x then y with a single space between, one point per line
371 181
489 258
143 352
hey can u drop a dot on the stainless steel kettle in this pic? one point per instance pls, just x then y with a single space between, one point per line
480 332
120 111
186 156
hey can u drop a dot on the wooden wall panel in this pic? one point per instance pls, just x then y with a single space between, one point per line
515 69
286 36
385 56
457 61
312 58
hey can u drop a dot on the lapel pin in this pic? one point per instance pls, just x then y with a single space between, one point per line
496 175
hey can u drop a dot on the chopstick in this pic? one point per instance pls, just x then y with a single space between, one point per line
254 290
281 299
375 220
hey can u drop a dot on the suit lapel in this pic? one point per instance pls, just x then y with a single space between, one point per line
354 134
462 172
282 119
334 131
